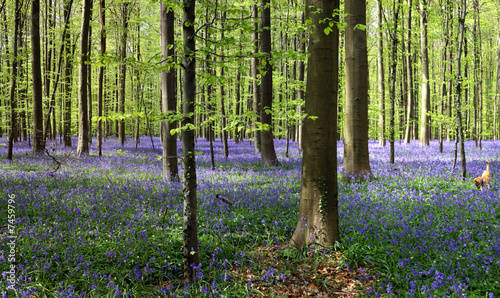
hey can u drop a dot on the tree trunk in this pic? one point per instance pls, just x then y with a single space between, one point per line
89 79
256 86
224 132
409 81
191 253
208 67
38 141
318 218
300 91
356 156
168 92
381 80
83 125
478 77
12 99
426 93
268 153
460 137
497 96
123 72
394 63
100 87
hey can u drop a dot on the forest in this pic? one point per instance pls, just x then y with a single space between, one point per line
253 148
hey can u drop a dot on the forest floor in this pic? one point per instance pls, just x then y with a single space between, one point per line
110 227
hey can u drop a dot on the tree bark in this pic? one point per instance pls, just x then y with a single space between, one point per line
102 69
224 132
425 100
356 156
191 254
83 125
300 91
168 92
268 152
318 218
38 141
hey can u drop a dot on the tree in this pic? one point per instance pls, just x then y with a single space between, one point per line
83 125
38 141
254 69
409 79
268 153
168 91
318 212
100 84
462 12
123 72
12 99
425 100
356 156
392 74
381 80
191 254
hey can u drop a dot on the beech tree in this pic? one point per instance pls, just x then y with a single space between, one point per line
356 156
268 153
38 141
318 211
425 100
191 254
168 91
83 127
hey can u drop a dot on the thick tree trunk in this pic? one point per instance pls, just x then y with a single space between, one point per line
425 100
318 218
102 69
381 80
83 125
38 141
256 85
168 92
123 72
356 156
191 254
268 153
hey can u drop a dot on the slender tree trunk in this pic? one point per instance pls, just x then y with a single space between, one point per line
268 153
208 67
168 92
460 137
497 96
356 156
256 85
123 72
38 141
409 81
479 77
426 93
318 218
83 125
13 85
394 61
381 80
89 78
191 253
300 91
102 69
223 94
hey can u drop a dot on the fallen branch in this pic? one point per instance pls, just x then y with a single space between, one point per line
224 199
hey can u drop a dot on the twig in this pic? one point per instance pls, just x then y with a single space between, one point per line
224 199
165 213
